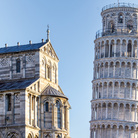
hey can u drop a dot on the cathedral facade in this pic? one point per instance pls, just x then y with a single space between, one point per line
32 104
115 83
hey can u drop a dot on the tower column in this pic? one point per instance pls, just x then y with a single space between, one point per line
114 70
132 50
113 90
106 110
108 69
107 89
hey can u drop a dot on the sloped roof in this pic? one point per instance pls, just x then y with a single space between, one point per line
50 91
21 48
16 84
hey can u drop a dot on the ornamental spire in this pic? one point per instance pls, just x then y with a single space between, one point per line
47 33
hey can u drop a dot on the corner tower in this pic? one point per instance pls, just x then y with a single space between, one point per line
115 83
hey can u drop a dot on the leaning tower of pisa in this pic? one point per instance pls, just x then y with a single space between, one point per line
115 83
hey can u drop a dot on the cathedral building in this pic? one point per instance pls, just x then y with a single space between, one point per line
115 83
32 104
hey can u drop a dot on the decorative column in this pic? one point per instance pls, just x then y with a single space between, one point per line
118 111
103 70
100 51
124 111
125 90
102 89
113 90
106 110
117 130
107 89
111 131
130 91
137 50
132 50
35 111
97 111
94 113
120 49
96 71
114 70
12 107
62 116
119 90
104 51
131 70
109 51
123 131
101 110
129 132
135 92
68 120
39 111
93 92
115 49
136 113
99 71
53 115
53 135
98 92
4 105
112 111
108 69
130 112
126 50
30 109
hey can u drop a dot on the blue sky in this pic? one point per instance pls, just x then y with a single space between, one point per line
73 24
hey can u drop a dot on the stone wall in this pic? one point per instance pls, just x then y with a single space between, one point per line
29 65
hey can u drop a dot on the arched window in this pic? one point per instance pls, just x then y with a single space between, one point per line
12 135
18 66
120 18
111 27
8 102
58 114
48 72
46 106
129 49
130 26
